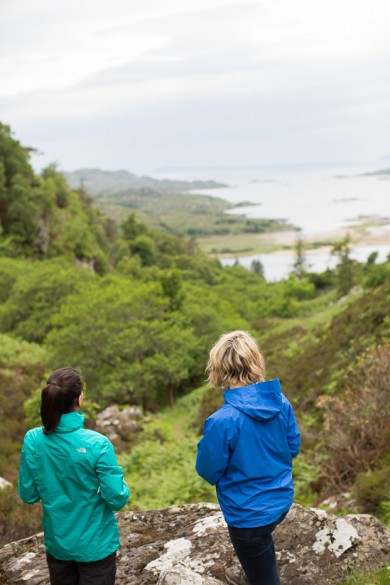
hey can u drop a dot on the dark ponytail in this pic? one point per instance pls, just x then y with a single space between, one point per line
59 396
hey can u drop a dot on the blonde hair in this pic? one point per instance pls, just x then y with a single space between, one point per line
235 360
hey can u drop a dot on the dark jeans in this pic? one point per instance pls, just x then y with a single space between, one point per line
73 573
255 550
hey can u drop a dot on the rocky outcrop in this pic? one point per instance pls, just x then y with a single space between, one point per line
4 483
119 425
189 545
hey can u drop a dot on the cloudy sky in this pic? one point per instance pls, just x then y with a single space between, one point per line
144 85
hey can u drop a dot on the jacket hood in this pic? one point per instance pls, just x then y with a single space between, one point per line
260 401
70 421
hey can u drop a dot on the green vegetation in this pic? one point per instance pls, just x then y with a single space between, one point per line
189 214
345 270
238 244
17 518
167 443
376 578
21 368
40 217
137 309
37 295
166 204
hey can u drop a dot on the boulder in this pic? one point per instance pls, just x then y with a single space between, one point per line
4 483
119 425
339 501
189 545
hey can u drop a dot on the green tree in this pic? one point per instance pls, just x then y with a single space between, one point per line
10 270
40 217
18 211
37 295
257 267
128 343
21 367
346 267
300 260
173 288
132 228
208 315
145 248
60 185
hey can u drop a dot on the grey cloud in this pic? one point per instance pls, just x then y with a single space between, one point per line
238 132
229 100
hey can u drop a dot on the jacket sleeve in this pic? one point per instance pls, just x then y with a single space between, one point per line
27 488
213 451
293 435
113 488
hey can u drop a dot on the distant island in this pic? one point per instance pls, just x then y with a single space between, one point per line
171 205
98 182
379 173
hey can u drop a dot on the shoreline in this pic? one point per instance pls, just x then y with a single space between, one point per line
241 245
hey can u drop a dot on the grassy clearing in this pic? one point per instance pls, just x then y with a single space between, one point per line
239 244
160 468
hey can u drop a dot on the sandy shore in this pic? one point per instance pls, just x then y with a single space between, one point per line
377 234
360 235
284 241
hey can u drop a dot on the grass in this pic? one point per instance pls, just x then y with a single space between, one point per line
160 468
314 315
187 214
381 577
238 244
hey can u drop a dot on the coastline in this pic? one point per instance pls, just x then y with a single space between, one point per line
283 241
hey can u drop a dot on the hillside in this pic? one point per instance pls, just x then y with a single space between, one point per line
166 204
340 386
137 309
99 182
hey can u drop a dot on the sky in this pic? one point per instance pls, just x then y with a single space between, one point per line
149 85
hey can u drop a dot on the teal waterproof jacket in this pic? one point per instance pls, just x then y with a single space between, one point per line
75 473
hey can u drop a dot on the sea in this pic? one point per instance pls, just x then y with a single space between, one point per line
317 200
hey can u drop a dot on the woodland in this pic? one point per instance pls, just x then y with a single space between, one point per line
137 309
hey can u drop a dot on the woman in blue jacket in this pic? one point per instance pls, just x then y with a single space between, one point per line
247 452
74 472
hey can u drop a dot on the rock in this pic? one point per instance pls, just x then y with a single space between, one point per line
4 483
179 574
119 425
87 264
189 545
339 501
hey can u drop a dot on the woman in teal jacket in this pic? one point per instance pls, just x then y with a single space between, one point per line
74 472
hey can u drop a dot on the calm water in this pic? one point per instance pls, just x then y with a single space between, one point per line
278 265
317 200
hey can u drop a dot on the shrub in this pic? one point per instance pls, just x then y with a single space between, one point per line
18 520
372 491
37 296
21 368
356 433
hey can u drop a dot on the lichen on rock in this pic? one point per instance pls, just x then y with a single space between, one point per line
189 545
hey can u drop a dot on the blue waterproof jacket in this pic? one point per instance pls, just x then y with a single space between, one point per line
247 452
75 473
